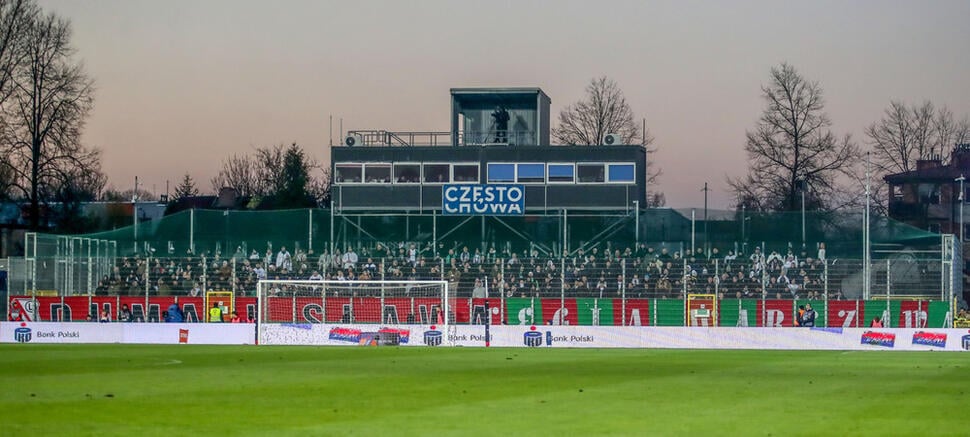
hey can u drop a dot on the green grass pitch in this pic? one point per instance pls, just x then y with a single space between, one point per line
262 390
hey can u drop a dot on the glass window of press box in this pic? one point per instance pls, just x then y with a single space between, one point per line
407 173
530 173
506 120
348 173
621 173
437 173
590 173
501 173
465 173
562 173
377 173
497 173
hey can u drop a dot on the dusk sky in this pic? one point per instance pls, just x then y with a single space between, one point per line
183 84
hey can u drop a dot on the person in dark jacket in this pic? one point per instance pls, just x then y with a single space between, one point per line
125 314
808 318
175 313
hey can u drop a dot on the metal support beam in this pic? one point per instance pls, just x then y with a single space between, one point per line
522 235
606 232
455 228
360 230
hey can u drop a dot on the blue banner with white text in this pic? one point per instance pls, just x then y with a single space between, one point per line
491 199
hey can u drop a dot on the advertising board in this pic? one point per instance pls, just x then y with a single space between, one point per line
133 333
491 199
566 336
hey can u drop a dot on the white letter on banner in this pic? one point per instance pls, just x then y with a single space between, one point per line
514 194
500 192
515 209
464 208
775 318
465 192
559 318
479 208
915 319
450 193
489 194
477 193
634 318
849 318
523 313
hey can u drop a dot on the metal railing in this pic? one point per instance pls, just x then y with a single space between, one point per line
497 137
383 138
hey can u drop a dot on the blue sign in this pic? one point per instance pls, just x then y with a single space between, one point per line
532 338
492 199
432 338
22 335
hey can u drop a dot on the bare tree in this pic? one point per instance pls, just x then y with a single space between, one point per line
906 134
239 172
84 184
7 178
604 110
284 172
319 186
948 131
268 162
51 99
15 18
80 185
15 15
793 149
258 174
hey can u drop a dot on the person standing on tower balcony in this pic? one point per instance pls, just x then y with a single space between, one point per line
500 118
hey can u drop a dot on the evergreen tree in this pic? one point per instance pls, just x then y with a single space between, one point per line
186 188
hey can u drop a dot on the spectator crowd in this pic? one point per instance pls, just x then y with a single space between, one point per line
638 271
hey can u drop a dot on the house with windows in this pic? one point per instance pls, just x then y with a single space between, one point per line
930 197
934 197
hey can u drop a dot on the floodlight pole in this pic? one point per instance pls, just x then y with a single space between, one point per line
803 214
744 222
636 220
134 214
962 201
865 235
705 190
693 227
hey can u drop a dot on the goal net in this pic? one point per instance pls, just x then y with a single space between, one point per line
361 312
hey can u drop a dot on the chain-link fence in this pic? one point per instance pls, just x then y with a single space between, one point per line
228 232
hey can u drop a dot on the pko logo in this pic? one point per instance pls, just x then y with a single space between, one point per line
432 338
22 334
532 338
966 342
